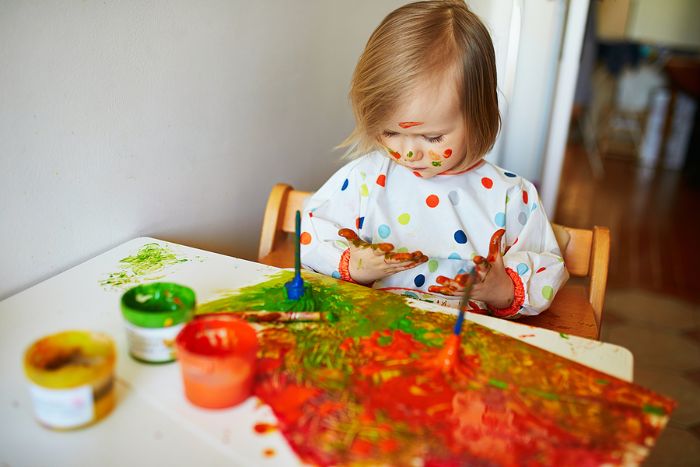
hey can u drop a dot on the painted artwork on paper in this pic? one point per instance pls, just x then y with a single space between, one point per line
147 264
359 387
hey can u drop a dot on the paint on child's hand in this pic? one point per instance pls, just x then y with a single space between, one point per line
409 124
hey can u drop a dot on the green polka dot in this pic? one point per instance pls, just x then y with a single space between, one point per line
341 244
547 292
363 175
364 191
403 249
432 265
404 218
507 199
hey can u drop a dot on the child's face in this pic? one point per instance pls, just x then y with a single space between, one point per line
427 134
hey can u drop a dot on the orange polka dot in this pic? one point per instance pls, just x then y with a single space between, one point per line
305 238
525 197
487 182
432 201
381 180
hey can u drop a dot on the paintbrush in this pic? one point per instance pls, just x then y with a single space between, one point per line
265 316
295 287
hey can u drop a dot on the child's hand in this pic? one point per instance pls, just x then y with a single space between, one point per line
495 287
373 261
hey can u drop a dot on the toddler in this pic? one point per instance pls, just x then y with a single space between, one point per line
418 207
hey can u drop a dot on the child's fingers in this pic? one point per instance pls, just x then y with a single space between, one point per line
495 244
348 234
443 289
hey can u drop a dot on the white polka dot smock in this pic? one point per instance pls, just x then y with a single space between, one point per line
450 218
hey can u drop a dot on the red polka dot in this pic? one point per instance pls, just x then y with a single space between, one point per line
487 182
540 270
305 238
525 197
311 214
448 153
417 174
432 201
381 180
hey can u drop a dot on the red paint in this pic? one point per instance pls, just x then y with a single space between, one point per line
448 153
264 428
523 336
395 154
495 244
432 201
217 358
487 182
409 124
381 180
417 174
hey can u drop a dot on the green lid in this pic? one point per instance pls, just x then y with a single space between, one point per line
158 305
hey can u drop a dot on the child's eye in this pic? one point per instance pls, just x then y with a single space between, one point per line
434 139
389 134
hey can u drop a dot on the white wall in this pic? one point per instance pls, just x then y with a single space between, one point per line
164 118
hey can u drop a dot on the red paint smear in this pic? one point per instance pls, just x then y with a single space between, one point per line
417 174
409 124
264 428
526 335
448 153
269 452
395 154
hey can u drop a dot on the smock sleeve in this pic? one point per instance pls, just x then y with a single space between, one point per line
533 260
338 204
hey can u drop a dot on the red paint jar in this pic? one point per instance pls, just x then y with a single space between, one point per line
217 358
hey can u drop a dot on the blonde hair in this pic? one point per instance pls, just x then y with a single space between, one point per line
411 43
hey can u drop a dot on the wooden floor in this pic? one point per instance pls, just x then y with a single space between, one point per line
653 216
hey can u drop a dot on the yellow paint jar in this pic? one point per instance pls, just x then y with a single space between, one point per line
71 378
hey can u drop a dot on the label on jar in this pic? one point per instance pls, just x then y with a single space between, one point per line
63 408
154 345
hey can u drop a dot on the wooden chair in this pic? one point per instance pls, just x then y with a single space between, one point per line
577 308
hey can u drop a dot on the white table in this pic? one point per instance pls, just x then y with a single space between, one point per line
152 422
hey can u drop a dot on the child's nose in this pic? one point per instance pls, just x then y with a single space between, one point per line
414 154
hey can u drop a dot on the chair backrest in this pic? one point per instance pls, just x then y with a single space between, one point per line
586 252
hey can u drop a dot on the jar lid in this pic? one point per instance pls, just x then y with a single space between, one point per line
158 305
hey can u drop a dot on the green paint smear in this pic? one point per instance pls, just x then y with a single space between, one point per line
539 393
149 260
497 383
354 310
653 409
563 336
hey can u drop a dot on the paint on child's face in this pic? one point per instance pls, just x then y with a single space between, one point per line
426 132
409 124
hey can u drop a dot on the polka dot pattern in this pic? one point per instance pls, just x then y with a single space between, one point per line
364 191
305 238
454 256
522 268
381 180
433 265
547 292
345 185
432 201
359 222
525 197
384 231
522 218
404 218
500 219
509 174
419 280
335 275
487 183
540 270
460 237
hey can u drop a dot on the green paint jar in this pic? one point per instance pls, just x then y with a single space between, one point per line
154 314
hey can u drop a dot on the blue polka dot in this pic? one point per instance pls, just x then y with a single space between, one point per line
345 185
454 197
384 231
462 271
500 219
522 268
460 237
522 218
335 274
454 256
411 295
534 206
509 174
360 222
419 280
